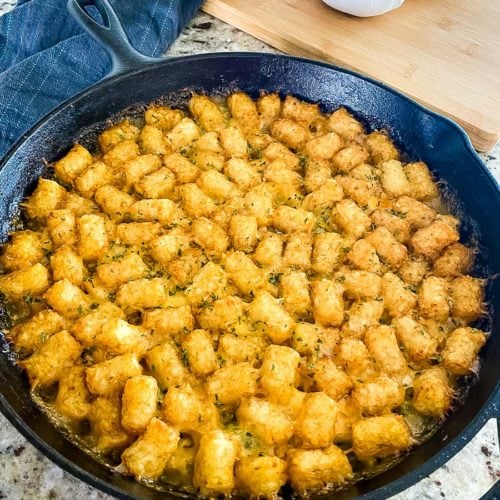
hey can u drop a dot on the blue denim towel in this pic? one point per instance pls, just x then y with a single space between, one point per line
45 57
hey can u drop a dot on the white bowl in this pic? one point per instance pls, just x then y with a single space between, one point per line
364 8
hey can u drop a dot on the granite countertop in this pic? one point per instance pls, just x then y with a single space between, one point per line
25 473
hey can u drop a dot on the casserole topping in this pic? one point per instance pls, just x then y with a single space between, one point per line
242 295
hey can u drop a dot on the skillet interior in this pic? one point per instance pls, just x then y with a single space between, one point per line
419 133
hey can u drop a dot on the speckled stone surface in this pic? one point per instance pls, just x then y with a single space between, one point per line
26 474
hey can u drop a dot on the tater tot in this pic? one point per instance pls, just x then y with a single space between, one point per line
268 315
88 326
266 420
423 187
68 167
323 147
387 246
67 264
455 260
163 117
137 233
152 141
119 337
183 133
269 251
183 408
121 152
269 106
298 250
229 384
315 424
466 295
366 194
344 124
241 173
327 302
364 256
289 133
107 431
73 397
361 315
142 293
398 297
311 470
116 273
324 197
166 365
169 246
361 284
290 220
61 225
210 236
279 373
300 111
47 196
416 213
234 142
379 395
46 365
30 334
169 321
416 340
149 455
183 169
195 202
24 250
429 241
330 379
261 476
67 299
243 232
216 185
214 463
92 237
162 210
138 403
380 437
276 150
413 271
198 350
349 157
393 179
159 184
383 346
109 377
244 273
295 291
461 349
207 113
317 172
381 147
394 222
117 133
26 282
431 392
433 298
351 218
259 202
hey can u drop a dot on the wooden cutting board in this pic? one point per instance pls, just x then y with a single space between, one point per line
443 53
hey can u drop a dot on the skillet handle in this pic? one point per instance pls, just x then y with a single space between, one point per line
110 35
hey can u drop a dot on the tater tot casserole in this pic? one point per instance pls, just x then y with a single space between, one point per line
242 295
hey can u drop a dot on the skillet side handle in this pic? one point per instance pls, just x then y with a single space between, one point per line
111 35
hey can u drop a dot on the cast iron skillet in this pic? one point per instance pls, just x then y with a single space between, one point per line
420 133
